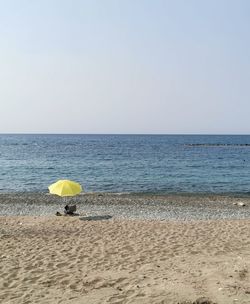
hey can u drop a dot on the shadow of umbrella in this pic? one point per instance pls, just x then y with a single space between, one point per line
96 218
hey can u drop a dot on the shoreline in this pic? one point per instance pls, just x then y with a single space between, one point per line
144 193
130 206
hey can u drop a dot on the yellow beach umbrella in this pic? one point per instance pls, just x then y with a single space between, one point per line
65 188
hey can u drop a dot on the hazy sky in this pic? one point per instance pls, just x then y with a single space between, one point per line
128 66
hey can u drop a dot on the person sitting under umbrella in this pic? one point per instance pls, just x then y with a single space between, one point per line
70 210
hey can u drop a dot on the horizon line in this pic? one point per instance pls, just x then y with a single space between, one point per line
151 134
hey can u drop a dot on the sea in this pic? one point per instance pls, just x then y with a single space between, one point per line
159 164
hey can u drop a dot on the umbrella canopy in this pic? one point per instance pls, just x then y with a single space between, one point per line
65 188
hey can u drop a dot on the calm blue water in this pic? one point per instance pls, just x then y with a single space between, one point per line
126 163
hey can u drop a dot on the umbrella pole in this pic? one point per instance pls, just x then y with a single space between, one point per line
65 200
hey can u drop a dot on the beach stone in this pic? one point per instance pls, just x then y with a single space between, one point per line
203 300
241 204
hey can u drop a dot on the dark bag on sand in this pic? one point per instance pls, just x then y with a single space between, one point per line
70 209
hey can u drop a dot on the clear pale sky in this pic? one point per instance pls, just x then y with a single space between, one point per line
128 66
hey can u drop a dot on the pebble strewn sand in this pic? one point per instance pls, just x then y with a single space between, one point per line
128 206
66 260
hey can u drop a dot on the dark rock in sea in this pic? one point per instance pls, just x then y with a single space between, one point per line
217 145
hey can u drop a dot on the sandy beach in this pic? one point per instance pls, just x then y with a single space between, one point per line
51 259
